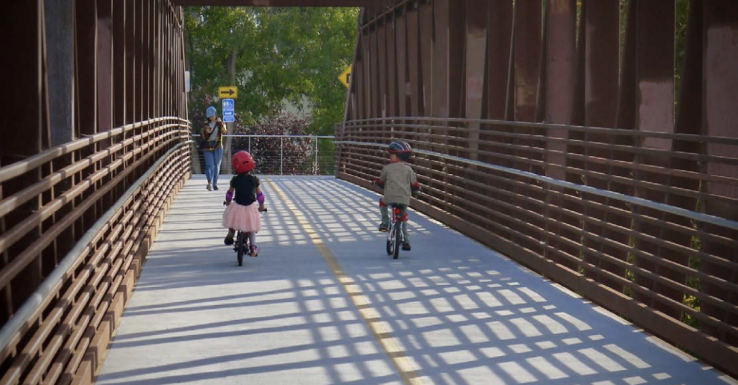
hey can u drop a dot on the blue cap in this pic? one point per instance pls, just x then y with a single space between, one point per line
210 111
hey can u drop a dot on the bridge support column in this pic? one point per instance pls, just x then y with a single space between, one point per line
60 63
719 98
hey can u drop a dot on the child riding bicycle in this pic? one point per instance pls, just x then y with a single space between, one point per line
398 181
243 215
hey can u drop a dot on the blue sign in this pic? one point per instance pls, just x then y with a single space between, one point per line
229 110
228 105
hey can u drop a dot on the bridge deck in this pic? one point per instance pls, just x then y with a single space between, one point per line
325 304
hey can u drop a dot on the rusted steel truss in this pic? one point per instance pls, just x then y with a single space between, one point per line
93 150
470 79
285 3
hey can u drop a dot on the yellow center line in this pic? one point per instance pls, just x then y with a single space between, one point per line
368 313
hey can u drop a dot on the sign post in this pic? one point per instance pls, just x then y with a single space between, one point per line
229 116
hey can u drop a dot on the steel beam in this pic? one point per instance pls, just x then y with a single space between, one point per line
86 87
130 60
414 64
392 63
498 57
425 49
119 60
368 81
403 80
60 53
23 128
441 83
284 3
376 108
601 43
719 100
382 65
476 55
654 113
105 65
527 42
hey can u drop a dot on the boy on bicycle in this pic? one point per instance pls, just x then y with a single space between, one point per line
398 181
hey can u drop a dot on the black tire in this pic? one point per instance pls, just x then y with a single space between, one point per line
398 236
240 247
391 246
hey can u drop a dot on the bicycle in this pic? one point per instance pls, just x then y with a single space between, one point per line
241 245
395 236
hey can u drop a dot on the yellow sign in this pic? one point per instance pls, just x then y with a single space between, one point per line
345 77
228 92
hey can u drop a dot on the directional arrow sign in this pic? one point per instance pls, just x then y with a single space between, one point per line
228 92
345 77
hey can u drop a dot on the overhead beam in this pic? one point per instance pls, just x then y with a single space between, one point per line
283 3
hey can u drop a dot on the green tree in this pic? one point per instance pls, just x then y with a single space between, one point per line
282 54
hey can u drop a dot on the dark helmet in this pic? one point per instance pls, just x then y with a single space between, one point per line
401 149
242 162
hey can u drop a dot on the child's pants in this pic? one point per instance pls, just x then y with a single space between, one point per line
384 209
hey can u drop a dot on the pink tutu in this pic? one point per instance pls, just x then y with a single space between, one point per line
242 218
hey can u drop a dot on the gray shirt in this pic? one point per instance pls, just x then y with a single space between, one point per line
214 134
397 179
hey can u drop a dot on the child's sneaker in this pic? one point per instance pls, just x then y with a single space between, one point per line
383 227
254 251
228 239
406 246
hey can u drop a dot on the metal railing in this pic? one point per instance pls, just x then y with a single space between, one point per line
279 154
74 240
649 232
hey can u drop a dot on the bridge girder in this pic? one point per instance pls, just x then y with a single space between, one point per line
284 3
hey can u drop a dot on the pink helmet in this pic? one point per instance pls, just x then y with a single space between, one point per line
242 162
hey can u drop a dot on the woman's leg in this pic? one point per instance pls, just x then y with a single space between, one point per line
209 165
217 160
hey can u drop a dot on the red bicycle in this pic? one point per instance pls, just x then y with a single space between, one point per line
395 236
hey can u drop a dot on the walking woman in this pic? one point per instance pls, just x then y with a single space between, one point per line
212 146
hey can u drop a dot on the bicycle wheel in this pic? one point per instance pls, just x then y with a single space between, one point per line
398 239
240 247
391 240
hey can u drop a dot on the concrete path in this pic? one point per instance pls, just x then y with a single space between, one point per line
324 304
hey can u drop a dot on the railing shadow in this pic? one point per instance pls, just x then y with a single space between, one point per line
462 313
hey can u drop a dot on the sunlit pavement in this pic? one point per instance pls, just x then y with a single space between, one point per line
324 304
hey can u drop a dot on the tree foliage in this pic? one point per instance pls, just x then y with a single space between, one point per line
283 54
279 155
